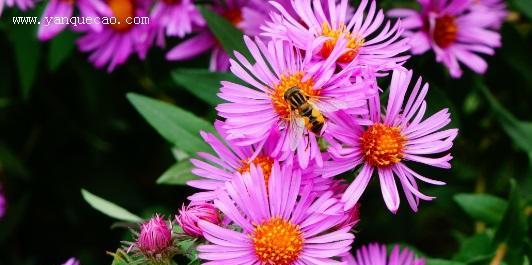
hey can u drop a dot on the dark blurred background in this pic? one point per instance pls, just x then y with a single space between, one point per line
72 128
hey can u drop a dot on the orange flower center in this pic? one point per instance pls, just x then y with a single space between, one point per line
122 9
354 43
277 242
281 106
264 162
445 31
233 15
382 145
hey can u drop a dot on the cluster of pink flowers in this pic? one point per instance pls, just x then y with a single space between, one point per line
308 112
458 31
155 242
142 24
246 15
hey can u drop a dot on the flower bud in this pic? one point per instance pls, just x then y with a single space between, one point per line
352 216
190 215
155 236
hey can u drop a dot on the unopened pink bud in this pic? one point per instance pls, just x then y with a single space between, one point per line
155 236
352 216
190 215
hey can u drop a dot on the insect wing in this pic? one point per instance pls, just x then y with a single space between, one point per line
329 104
295 130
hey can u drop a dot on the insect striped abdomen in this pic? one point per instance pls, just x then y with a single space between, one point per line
299 103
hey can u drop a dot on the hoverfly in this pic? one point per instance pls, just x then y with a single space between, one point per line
306 113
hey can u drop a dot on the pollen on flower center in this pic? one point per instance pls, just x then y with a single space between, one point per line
277 241
264 162
445 31
122 9
233 15
288 81
382 145
355 42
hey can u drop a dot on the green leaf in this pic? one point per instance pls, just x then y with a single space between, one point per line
122 258
178 174
228 35
471 102
209 85
11 163
513 228
475 249
119 258
442 262
525 6
188 249
27 54
483 207
61 47
195 262
176 125
109 208
519 131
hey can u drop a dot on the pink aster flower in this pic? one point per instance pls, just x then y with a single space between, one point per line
72 261
49 27
387 140
373 43
261 107
246 15
279 224
190 215
155 236
232 160
455 31
176 17
375 254
113 45
20 4
492 10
